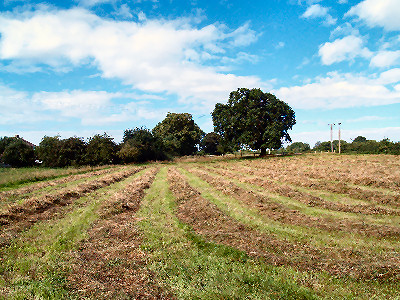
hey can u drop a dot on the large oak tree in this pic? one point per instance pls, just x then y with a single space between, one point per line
253 118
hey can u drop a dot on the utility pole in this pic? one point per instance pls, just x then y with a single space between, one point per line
332 136
339 136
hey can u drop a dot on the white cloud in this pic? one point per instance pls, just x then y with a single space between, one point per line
385 59
280 45
90 107
389 77
345 29
124 11
346 48
151 55
382 13
318 11
343 91
315 11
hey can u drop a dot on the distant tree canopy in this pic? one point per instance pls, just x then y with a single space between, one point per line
101 150
361 145
360 139
179 133
210 144
16 152
298 147
56 152
140 145
253 118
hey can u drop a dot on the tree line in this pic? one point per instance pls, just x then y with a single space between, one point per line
360 145
176 135
251 119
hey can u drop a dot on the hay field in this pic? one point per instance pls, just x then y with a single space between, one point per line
303 227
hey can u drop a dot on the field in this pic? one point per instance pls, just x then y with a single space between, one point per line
299 227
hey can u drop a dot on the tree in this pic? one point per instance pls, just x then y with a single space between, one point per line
101 150
298 147
360 139
254 119
72 152
18 154
48 151
4 142
210 143
324 146
141 145
179 134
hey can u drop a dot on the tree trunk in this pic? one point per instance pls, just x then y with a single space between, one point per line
263 152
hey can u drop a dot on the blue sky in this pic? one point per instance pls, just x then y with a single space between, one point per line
83 67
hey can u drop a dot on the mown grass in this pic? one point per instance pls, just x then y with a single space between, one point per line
11 178
35 266
323 284
196 269
52 189
252 217
316 211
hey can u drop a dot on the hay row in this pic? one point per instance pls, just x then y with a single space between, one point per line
214 225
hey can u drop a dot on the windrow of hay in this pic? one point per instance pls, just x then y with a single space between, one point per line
109 263
291 190
381 171
279 212
292 176
18 217
42 184
213 224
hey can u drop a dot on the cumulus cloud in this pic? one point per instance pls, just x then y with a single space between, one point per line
343 91
318 11
90 107
382 13
150 55
346 48
384 59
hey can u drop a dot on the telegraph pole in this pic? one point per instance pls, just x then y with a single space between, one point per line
332 136
339 136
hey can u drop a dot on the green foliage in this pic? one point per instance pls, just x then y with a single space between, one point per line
48 151
322 146
17 153
298 147
72 152
54 152
101 150
253 118
141 145
179 133
360 139
361 145
4 142
210 144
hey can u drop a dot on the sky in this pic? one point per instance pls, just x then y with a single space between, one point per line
85 67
